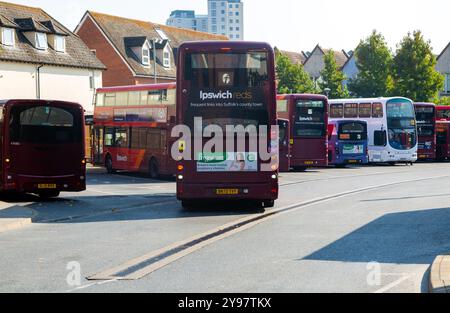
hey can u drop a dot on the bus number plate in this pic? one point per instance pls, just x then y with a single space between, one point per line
353 161
309 162
46 186
227 192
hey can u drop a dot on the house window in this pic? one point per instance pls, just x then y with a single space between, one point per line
447 83
41 41
145 56
8 36
166 59
91 82
60 44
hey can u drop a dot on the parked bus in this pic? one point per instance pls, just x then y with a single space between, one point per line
391 126
132 127
442 132
42 147
348 143
284 144
426 130
227 83
308 116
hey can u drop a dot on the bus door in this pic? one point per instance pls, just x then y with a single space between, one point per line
284 144
97 149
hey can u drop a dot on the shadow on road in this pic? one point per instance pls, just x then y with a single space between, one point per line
414 237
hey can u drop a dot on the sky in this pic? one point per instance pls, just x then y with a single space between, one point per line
293 25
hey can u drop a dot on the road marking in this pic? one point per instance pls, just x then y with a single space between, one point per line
395 283
144 265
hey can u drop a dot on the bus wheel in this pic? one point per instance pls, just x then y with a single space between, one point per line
187 204
49 194
154 168
109 165
269 203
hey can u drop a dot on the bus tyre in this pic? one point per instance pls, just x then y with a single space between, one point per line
49 194
109 165
154 168
268 204
187 204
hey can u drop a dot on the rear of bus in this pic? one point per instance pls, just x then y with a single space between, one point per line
227 84
308 115
43 147
442 132
426 124
348 143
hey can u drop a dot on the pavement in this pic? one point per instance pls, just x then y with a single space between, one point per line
372 229
440 274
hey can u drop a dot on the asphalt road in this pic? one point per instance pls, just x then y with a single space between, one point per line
368 229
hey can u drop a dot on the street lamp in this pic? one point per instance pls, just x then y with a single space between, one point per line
327 91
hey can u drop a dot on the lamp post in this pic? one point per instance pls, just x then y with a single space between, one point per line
327 91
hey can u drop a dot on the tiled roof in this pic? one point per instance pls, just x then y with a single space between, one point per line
296 58
340 56
35 19
118 28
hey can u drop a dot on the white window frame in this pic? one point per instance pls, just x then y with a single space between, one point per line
166 60
146 58
43 36
10 31
63 41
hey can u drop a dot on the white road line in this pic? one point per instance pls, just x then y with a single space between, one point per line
90 285
395 283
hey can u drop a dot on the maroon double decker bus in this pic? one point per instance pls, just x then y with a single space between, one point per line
42 147
227 84
426 130
308 116
442 132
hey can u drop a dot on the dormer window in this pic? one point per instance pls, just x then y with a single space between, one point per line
145 55
41 41
60 44
8 36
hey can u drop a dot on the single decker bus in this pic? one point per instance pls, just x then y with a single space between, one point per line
227 84
42 147
426 130
391 126
132 127
308 116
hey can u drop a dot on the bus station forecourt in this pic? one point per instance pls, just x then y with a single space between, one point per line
221 131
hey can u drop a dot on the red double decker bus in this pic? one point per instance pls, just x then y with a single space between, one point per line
42 147
132 126
442 132
227 84
308 116
426 130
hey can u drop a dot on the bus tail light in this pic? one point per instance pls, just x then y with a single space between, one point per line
180 167
337 150
7 160
180 177
83 161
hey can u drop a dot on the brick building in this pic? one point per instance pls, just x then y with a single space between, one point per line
135 52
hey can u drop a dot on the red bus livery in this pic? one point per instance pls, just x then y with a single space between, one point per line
42 147
132 128
426 130
227 84
308 116
442 132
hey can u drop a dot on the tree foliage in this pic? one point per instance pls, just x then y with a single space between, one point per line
332 78
292 78
414 69
374 61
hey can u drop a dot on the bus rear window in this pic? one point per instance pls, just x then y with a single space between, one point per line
310 119
443 114
353 131
216 70
45 124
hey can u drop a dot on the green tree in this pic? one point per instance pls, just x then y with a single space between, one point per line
292 78
332 78
414 69
374 61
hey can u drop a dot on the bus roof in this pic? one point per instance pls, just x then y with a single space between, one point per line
442 107
425 104
39 102
143 87
224 45
302 97
345 121
362 100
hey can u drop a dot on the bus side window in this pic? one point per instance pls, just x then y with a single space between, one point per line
380 138
109 137
121 138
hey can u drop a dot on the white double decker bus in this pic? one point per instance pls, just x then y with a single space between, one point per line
392 129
